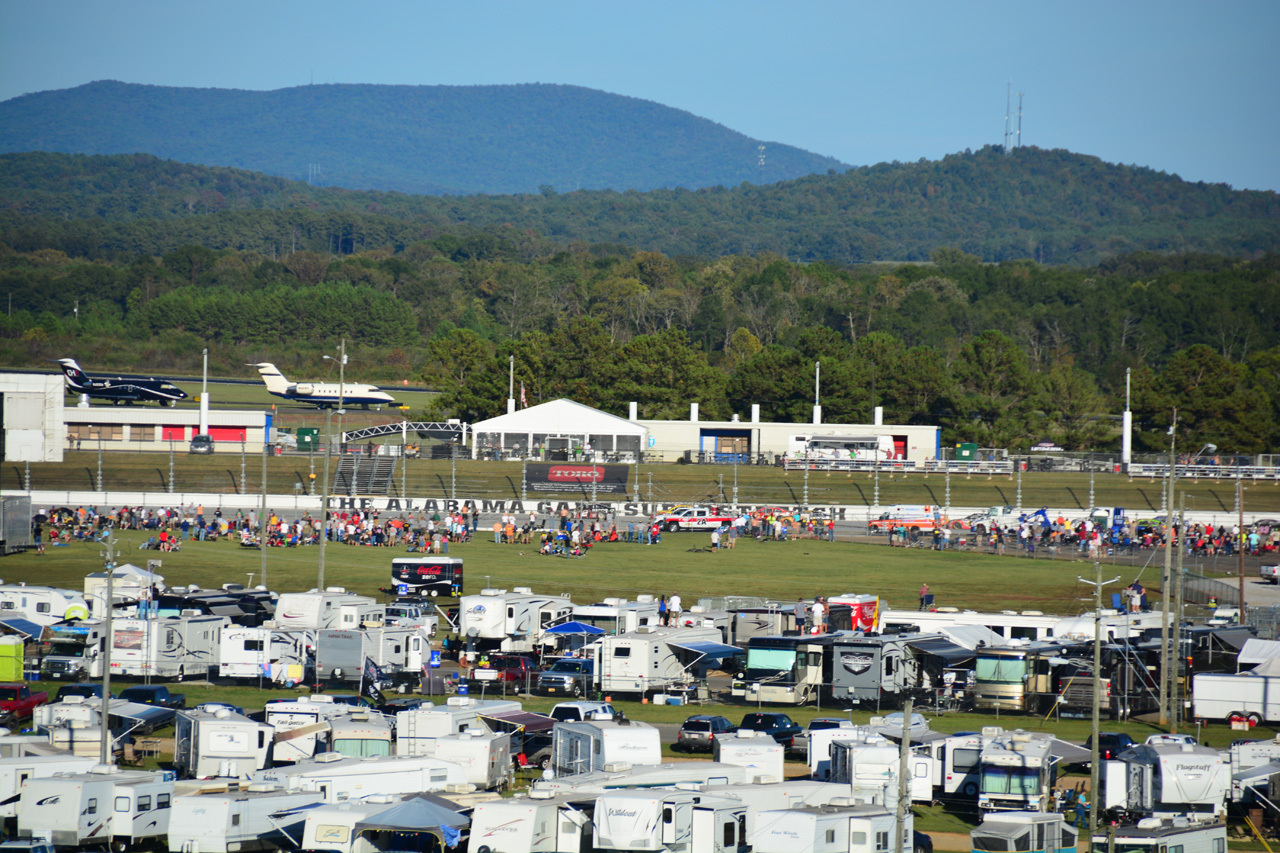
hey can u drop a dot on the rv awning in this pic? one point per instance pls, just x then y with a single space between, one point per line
415 815
1256 651
706 649
526 720
22 627
949 652
147 717
1069 753
574 628
1256 776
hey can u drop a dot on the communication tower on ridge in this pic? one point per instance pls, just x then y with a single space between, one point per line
1018 141
760 164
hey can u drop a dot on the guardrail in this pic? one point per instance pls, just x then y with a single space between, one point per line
1206 472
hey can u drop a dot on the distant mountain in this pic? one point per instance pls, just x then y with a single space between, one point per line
1053 206
413 139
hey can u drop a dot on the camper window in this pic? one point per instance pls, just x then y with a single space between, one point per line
990 843
857 839
831 836
622 652
730 833
92 808
965 759
123 805
42 607
8 605
253 645
144 803
882 841
235 820
162 801
888 667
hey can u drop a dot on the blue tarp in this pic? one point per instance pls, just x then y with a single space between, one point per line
574 628
24 627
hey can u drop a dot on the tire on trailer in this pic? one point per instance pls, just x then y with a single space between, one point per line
1253 718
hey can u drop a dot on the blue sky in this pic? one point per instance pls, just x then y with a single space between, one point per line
1191 88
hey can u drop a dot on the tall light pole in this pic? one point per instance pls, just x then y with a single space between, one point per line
262 538
328 454
1170 481
1097 585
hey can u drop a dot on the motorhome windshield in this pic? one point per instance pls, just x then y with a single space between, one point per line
1000 670
66 650
762 663
361 747
608 623
1018 781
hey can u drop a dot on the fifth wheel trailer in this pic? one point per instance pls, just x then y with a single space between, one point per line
1222 696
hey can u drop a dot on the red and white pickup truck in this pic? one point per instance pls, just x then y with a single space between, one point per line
694 518
17 702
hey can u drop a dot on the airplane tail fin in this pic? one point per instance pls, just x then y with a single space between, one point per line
76 377
274 379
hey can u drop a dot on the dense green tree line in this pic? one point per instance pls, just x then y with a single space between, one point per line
1004 354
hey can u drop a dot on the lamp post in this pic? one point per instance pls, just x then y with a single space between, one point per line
1097 585
1170 481
328 455
105 747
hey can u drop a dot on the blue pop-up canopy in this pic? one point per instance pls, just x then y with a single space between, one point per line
574 628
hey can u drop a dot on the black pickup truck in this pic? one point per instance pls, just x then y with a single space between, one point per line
154 694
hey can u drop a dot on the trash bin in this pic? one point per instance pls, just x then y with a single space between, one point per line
308 438
435 658
462 687
967 451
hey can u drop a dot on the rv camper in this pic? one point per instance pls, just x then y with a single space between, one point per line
875 670
363 732
332 607
269 654
698 616
302 725
182 647
651 776
748 748
871 760
651 659
129 585
1018 771
419 728
219 742
484 756
751 622
783 670
260 818
672 821
43 605
597 744
331 828
618 615
1175 779
1152 835
1006 832
428 574
399 652
509 621
73 652
107 805
852 828
535 824
421 822
1020 676
337 777
17 770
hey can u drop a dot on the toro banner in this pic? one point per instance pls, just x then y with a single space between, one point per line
576 477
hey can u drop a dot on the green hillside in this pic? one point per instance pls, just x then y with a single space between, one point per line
417 139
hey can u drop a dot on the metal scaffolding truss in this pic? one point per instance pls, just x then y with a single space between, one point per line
447 431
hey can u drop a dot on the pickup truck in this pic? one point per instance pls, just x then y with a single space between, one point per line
778 726
567 677
154 694
17 701
514 670
1270 573
694 518
88 691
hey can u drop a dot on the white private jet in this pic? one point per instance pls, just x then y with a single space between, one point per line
322 394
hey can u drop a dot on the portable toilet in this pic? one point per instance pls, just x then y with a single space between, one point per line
11 659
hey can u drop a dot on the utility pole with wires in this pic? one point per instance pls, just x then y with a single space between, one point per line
105 751
1097 585
904 789
1170 481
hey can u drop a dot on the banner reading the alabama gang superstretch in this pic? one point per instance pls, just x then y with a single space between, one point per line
576 477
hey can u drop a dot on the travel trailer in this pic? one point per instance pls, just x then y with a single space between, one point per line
332 607
219 742
337 777
816 829
534 824
181 647
651 776
419 728
873 670
331 828
650 659
43 605
1153 835
670 820
259 818
589 745
618 615
957 760
1252 696
483 755
1018 771
130 585
1172 780
872 760
509 621
1006 832
751 622
16 771
748 748
1010 624
270 654
399 652
301 725
107 805
698 616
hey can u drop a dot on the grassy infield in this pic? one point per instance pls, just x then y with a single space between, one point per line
678 564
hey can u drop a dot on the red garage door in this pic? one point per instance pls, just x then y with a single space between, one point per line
176 433
227 433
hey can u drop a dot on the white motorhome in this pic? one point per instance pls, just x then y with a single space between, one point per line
219 742
74 651
672 821
338 777
1018 771
818 829
1172 780
1152 835
398 652
509 621
483 755
363 732
1006 832
43 605
651 659
618 615
302 725
16 771
177 647
589 745
332 607
875 761
259 818
270 654
618 776
533 824
107 805
1010 624
128 584
418 729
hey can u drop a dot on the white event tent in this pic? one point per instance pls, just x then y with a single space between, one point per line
556 431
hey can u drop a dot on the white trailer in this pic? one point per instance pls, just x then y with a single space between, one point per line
106 806
1227 697
219 742
651 659
175 647
128 584
1018 771
1027 625
1172 780
43 605
1006 832
873 761
16 771
830 828
670 821
509 621
748 748
533 824
260 818
618 615
337 777
302 725
363 732
418 729
398 652
1158 836
270 654
331 828
332 607
957 761
483 755
616 776
589 745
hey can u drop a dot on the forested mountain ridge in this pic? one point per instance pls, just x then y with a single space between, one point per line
415 139
1050 205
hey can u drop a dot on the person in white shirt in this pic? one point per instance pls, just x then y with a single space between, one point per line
673 609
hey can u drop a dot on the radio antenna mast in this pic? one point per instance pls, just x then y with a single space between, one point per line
1008 96
1018 142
